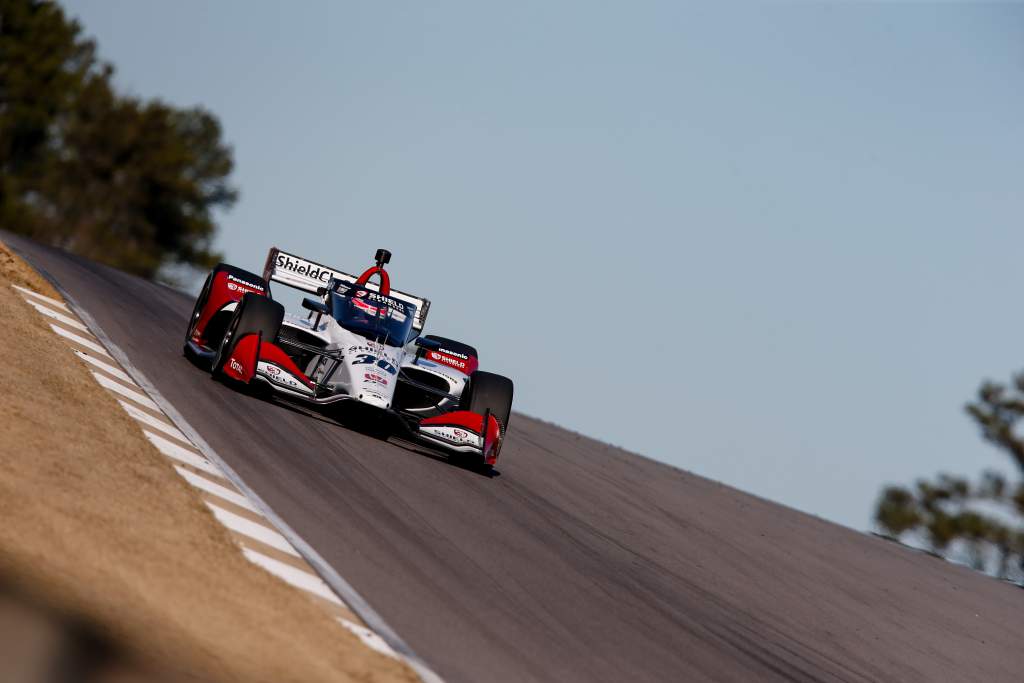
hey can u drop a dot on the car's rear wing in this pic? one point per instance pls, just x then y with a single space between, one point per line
295 271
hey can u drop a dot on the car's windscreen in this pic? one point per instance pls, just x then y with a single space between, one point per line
374 316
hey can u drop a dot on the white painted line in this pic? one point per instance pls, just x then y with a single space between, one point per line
119 388
47 311
247 527
173 450
216 489
105 367
92 346
293 575
151 421
52 302
369 638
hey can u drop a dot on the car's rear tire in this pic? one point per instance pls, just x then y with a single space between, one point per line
204 296
487 391
255 314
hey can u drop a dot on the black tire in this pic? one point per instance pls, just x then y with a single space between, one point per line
254 314
197 311
204 295
488 391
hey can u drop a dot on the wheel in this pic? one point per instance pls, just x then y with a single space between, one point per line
204 297
197 311
253 315
488 391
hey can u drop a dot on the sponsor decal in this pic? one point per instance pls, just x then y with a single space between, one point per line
447 360
455 353
363 306
372 377
368 359
453 435
381 300
304 268
244 290
237 367
280 376
353 349
240 284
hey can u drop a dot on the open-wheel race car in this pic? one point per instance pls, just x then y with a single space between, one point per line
360 341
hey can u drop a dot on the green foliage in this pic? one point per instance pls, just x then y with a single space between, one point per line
127 182
980 522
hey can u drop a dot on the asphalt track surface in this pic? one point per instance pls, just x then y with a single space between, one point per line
580 562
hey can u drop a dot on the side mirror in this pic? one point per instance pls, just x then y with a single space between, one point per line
315 305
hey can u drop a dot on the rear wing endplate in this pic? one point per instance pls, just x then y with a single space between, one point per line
295 271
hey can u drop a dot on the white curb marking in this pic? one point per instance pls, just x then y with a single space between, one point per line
293 576
173 450
213 489
136 396
49 312
82 341
52 302
151 421
247 527
369 638
105 367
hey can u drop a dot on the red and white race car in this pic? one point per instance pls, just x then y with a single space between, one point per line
359 342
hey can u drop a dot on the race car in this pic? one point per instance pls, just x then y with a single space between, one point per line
359 342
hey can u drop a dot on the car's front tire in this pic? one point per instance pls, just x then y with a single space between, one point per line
197 311
487 391
255 314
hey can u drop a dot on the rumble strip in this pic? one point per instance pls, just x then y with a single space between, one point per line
264 539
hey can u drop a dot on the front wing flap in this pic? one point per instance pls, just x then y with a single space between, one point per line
466 432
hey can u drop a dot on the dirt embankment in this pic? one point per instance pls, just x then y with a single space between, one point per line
111 568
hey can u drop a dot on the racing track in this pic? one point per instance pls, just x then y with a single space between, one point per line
581 562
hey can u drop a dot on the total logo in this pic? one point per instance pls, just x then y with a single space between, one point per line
237 367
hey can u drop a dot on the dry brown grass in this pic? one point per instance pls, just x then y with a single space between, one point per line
94 523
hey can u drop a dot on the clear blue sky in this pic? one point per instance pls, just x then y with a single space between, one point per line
775 244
